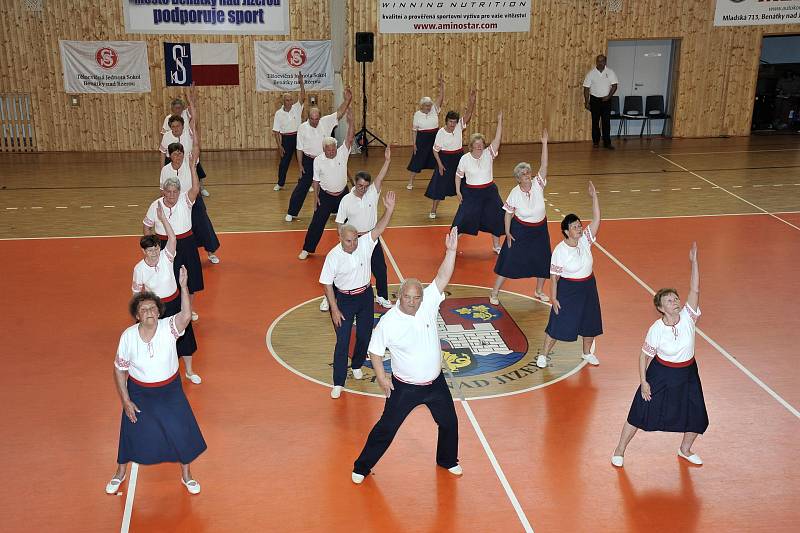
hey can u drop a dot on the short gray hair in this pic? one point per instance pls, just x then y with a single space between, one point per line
178 101
425 100
347 228
171 182
520 168
409 282
328 141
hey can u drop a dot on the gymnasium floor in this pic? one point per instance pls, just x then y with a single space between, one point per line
280 450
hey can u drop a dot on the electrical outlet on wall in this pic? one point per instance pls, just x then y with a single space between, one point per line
312 100
74 101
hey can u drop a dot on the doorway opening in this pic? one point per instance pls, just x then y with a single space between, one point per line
777 103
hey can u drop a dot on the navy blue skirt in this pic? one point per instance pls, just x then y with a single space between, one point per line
186 254
529 255
186 343
423 157
166 430
676 400
580 311
203 229
440 187
481 210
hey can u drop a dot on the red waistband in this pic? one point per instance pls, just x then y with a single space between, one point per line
590 276
156 384
675 365
451 152
178 236
289 133
485 185
171 296
409 383
434 130
354 291
531 224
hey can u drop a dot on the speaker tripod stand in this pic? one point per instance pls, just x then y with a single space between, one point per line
364 137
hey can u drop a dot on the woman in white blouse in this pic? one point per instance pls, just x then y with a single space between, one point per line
158 425
526 250
425 124
481 208
576 305
670 397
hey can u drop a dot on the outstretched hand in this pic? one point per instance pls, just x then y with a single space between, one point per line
389 200
592 190
693 253
451 241
544 136
387 153
183 277
348 94
160 213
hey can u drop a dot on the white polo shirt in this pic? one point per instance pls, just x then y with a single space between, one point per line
527 206
149 362
309 140
450 142
674 344
349 271
599 83
426 121
185 139
288 121
159 279
185 115
332 173
573 262
180 215
360 212
184 175
477 171
412 340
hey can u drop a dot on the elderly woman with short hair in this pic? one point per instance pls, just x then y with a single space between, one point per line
526 251
481 208
425 124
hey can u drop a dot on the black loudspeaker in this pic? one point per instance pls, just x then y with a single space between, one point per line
365 46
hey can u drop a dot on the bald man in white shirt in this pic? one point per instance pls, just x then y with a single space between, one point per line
599 86
410 333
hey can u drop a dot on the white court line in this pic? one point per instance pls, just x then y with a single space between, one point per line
712 342
526 525
126 516
695 174
735 151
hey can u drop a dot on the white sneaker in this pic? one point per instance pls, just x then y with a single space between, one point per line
357 478
541 361
336 392
617 460
288 218
383 302
409 186
694 458
494 298
358 373
311 189
205 192
302 255
431 215
194 378
591 359
497 249
456 470
192 486
324 306
195 317
213 259
276 187
114 484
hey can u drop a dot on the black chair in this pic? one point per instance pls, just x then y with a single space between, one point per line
654 110
631 110
615 109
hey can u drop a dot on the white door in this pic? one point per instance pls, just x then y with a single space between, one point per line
645 74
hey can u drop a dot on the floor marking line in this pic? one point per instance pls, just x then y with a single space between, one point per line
126 516
713 343
735 151
695 174
526 525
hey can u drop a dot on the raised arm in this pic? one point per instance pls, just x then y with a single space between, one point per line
470 109
497 134
693 299
440 98
195 190
351 128
302 98
183 318
543 163
191 99
449 263
388 202
348 98
172 241
595 225
387 157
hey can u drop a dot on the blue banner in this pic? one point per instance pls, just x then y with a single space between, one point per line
178 64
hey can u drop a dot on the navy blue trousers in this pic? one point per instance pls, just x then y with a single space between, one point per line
301 189
378 264
289 144
358 306
328 204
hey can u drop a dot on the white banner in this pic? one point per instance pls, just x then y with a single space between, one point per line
279 62
756 12
424 16
105 67
242 17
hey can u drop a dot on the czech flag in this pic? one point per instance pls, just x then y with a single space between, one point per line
201 64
